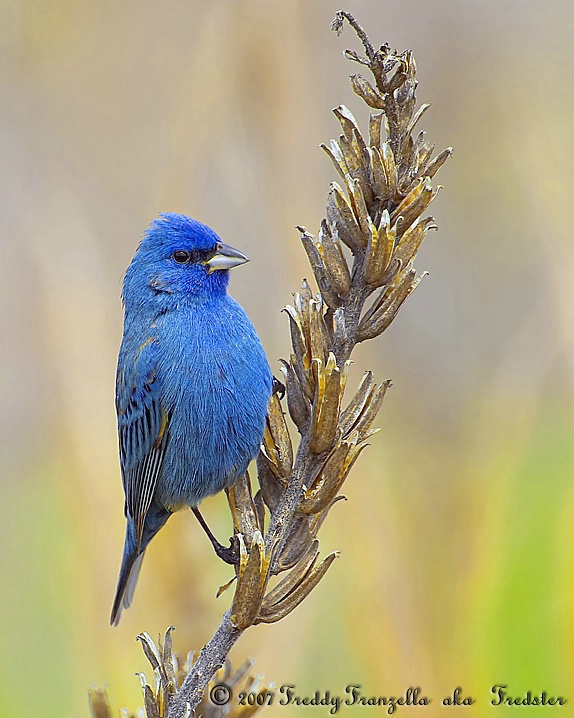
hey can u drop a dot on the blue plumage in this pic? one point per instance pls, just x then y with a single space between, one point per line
193 382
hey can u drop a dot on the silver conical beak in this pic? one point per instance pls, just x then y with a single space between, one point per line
226 258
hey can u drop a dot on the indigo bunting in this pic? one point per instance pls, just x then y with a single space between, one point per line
192 387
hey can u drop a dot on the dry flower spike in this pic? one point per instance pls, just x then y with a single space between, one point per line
362 261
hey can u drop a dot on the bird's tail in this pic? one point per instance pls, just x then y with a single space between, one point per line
133 557
129 572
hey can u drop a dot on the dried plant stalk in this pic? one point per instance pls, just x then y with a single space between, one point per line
170 671
362 261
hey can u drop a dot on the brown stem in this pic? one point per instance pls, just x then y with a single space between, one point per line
211 657
367 44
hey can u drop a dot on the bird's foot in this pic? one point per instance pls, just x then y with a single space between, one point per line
278 387
229 554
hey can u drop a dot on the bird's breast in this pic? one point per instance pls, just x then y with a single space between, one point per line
216 384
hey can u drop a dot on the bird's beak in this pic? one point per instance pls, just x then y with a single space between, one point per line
226 258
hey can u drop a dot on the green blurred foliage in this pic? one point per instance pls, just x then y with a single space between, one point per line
457 563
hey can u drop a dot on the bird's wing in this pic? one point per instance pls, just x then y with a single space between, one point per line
143 426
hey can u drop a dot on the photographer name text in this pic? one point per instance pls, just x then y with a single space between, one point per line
353 695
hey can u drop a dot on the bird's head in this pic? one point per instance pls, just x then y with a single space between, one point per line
180 257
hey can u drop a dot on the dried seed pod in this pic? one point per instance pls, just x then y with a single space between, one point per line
150 704
297 403
375 124
412 239
251 585
327 484
319 342
318 267
389 165
290 581
438 162
269 451
393 271
370 410
361 150
335 262
396 81
340 215
358 168
416 117
304 295
367 92
243 512
158 697
278 611
359 206
161 660
150 650
392 286
304 376
326 406
351 55
381 185
395 308
382 318
326 487
372 264
280 437
302 531
301 300
415 203
354 150
167 655
353 159
333 151
347 121
351 414
315 259
413 163
379 251
298 338
425 154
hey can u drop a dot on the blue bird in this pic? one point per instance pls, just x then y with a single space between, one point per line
192 387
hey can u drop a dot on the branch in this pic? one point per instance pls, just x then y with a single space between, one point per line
211 658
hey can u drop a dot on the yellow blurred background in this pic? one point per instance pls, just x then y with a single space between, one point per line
457 565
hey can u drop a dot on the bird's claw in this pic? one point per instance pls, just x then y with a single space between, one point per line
278 388
229 554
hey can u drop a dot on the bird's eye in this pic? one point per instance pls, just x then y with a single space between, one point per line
181 257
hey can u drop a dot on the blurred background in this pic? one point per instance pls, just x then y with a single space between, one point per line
457 565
